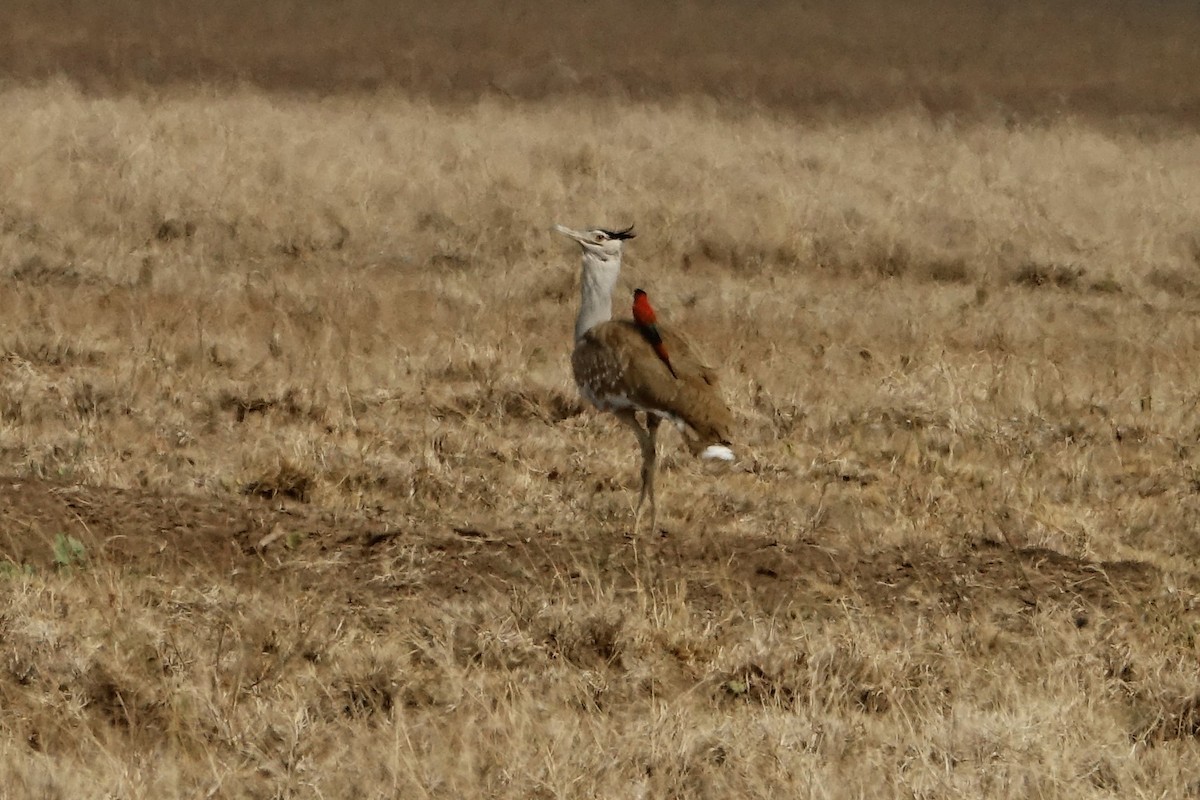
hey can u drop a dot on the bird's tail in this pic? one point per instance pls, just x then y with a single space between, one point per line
661 349
720 452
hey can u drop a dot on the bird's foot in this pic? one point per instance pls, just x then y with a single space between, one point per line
637 524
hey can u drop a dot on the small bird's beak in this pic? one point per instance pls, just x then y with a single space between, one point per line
565 231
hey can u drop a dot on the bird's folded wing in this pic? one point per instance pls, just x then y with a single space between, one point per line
614 360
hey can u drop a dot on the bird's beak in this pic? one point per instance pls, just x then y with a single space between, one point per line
578 236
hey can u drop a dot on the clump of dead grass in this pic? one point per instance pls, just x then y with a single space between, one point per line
254 691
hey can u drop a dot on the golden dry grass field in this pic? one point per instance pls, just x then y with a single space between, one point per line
299 499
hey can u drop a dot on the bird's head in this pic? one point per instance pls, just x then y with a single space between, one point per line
599 242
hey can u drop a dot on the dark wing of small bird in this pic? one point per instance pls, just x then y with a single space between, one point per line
647 322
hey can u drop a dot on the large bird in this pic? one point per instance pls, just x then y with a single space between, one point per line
641 369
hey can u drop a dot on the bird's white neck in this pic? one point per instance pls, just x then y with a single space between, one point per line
596 286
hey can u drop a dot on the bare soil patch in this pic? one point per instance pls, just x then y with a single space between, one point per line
144 531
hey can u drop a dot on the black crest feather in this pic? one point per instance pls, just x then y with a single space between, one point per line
624 234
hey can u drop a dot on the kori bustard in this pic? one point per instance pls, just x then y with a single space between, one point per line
641 369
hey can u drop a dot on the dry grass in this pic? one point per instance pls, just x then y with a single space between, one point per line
1104 59
301 501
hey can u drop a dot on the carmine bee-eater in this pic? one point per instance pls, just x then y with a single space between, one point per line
647 322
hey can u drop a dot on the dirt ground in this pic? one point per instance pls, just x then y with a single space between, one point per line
256 541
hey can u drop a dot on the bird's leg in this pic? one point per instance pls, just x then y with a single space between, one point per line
649 468
645 436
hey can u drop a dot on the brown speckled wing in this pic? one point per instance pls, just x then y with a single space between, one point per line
615 365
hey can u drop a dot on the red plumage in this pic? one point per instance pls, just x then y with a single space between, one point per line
647 322
643 312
